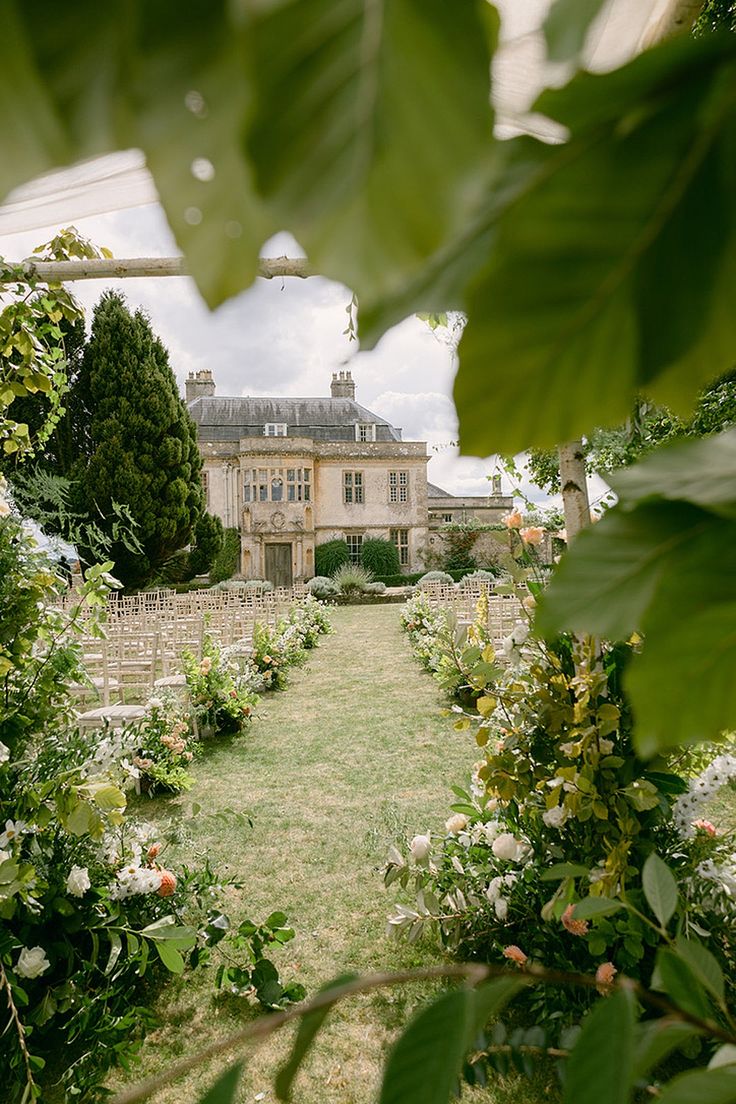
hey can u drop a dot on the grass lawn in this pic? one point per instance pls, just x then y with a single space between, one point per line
351 756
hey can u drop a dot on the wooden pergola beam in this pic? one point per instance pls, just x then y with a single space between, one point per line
113 268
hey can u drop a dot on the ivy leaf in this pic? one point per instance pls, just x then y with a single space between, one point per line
566 296
566 26
660 888
360 109
600 1068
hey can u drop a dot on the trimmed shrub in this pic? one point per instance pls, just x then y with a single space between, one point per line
374 588
436 577
330 556
481 575
259 585
322 587
380 556
227 560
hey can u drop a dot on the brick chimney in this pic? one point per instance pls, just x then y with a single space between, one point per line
343 386
199 385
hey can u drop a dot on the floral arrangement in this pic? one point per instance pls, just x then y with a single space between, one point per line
270 655
222 701
164 746
311 619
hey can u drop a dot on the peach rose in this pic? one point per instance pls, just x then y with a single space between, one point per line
705 826
533 535
515 954
514 520
168 883
456 824
604 976
569 923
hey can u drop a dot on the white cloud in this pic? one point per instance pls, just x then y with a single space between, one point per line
285 337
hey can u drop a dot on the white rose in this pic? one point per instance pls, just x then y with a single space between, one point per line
155 703
555 817
456 824
4 508
77 882
501 907
4 752
420 847
605 746
507 846
32 962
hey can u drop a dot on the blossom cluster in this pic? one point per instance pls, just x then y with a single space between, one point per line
687 809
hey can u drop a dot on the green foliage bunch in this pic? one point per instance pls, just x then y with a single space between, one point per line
221 701
227 560
137 443
380 557
352 579
330 556
460 538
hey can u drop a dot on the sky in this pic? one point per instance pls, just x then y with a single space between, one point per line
285 337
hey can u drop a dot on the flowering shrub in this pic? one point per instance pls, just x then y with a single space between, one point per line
270 656
222 700
164 746
311 620
548 845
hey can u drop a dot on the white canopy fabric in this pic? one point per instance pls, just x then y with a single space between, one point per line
119 181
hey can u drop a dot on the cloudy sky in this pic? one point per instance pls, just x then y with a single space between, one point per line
285 337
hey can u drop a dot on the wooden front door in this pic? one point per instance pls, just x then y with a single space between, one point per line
278 564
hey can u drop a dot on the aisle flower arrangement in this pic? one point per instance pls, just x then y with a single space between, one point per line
221 700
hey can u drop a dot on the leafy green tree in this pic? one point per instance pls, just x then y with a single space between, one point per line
137 444
649 426
209 536
330 556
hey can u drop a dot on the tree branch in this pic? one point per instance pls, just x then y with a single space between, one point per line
112 268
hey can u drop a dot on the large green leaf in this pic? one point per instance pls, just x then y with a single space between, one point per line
716 1086
307 1031
372 124
122 75
599 1070
660 888
666 568
562 323
225 1087
655 1039
425 1063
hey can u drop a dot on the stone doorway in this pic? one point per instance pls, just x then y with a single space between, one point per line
278 564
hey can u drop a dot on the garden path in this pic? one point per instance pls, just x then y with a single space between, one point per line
353 755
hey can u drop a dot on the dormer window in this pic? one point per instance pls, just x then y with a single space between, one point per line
365 431
274 429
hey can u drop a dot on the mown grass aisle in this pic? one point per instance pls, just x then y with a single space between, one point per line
334 769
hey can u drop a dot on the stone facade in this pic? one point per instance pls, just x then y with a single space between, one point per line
293 473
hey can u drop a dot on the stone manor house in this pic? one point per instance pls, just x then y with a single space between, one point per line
290 474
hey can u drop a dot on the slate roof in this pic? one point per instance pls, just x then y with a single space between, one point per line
323 419
433 491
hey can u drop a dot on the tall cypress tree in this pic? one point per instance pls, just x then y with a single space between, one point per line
137 442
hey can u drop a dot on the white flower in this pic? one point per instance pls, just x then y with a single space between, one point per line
4 856
493 889
32 962
508 847
501 907
456 824
77 882
155 703
555 817
4 752
13 829
570 749
420 847
133 880
605 746
4 508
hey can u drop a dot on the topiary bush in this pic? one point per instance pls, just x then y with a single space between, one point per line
480 575
374 588
227 560
259 585
330 556
380 556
